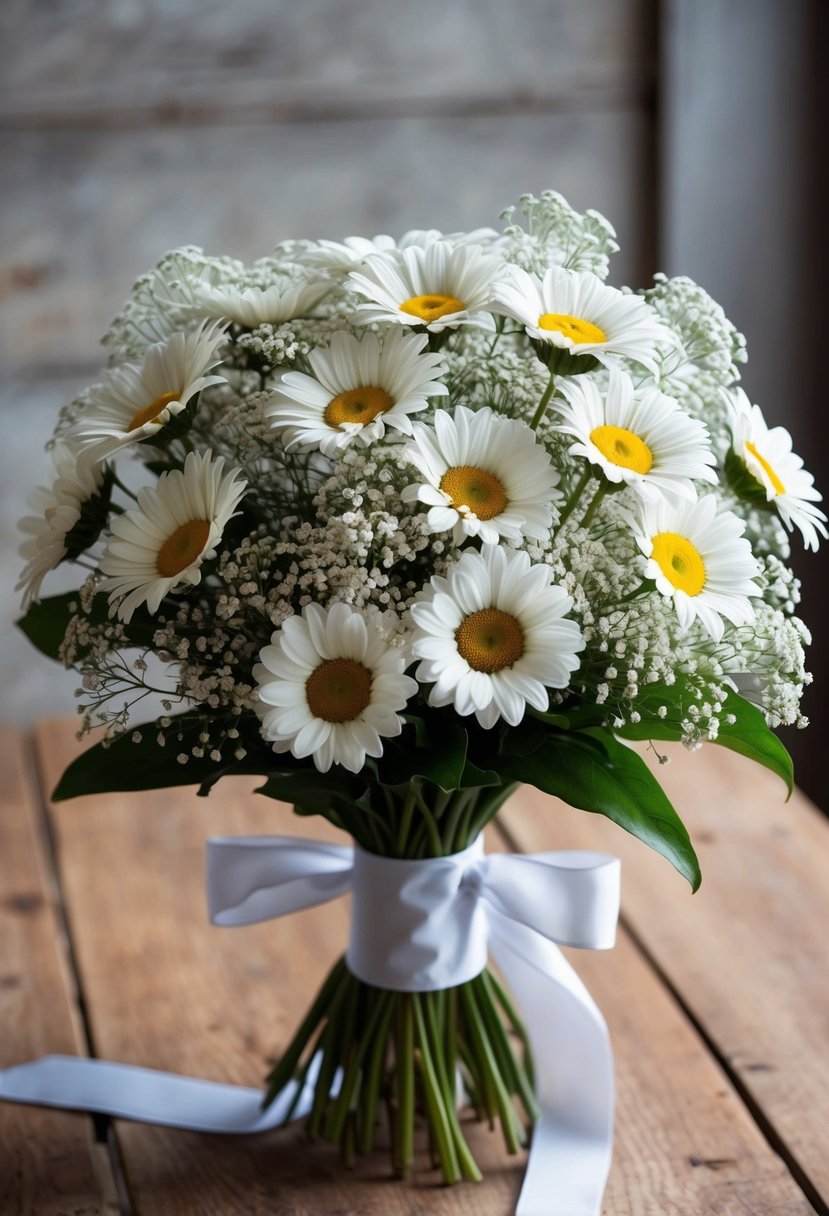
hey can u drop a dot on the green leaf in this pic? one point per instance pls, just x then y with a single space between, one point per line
93 518
597 773
749 733
574 717
744 484
144 765
46 622
434 751
310 791
473 777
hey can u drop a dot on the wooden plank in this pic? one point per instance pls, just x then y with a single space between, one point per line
49 1162
200 59
84 213
747 954
204 1001
215 1003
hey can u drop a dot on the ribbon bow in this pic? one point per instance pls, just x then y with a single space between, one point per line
416 926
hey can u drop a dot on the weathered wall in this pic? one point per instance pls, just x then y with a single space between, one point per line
128 128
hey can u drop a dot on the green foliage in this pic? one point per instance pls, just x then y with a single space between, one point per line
595 772
744 484
47 620
434 749
749 733
92 520
125 764
566 753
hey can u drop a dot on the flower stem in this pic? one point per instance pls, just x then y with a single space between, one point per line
405 1072
434 1095
572 501
644 586
406 822
116 480
330 1044
595 503
544 402
284 1070
351 1078
505 1001
498 1095
431 826
434 1006
373 1077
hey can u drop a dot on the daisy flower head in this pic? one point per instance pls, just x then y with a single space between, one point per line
766 454
162 543
134 402
345 255
341 256
436 286
636 436
58 514
575 312
252 306
482 475
357 388
493 636
330 686
699 558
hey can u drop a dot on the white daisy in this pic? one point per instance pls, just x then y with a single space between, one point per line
133 403
637 436
350 252
57 510
330 687
252 306
768 457
484 475
176 526
699 558
493 636
359 386
575 311
439 286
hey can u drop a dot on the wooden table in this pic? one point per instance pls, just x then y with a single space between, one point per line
718 1004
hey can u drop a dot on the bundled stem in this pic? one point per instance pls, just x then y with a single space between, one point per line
415 1054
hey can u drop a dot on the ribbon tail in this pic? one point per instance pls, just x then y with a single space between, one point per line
126 1091
572 1143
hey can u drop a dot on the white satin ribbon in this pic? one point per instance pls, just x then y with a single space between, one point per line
416 926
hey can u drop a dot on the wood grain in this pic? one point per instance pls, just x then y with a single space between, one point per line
214 1003
96 63
747 955
84 213
49 1162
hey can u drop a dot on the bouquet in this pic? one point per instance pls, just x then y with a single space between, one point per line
408 523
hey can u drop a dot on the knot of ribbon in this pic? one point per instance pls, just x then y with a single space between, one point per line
416 926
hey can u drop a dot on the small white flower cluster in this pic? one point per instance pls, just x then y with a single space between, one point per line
441 474
557 235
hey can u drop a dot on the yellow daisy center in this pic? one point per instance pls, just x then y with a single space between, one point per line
338 690
777 484
575 328
679 561
470 487
358 405
149 413
182 548
490 640
430 307
622 447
